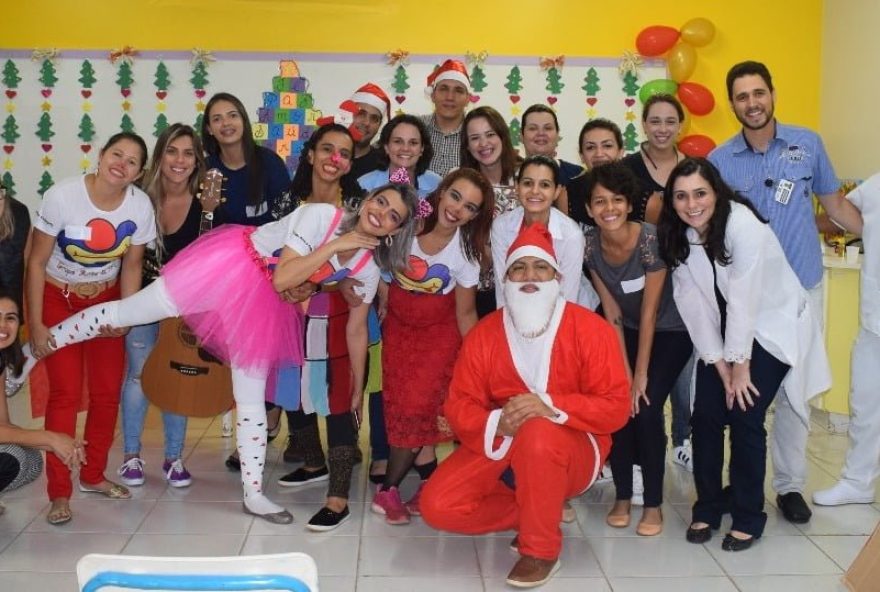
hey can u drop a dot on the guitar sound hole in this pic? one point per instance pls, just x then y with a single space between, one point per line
187 337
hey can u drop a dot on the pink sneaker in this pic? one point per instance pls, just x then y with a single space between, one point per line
388 503
413 504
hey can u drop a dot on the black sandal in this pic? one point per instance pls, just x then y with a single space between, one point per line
731 543
698 536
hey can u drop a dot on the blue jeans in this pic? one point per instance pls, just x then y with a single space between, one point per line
138 344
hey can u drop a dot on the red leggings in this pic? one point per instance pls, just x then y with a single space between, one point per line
550 463
67 370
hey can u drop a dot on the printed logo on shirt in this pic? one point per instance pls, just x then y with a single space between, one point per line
100 244
420 277
796 154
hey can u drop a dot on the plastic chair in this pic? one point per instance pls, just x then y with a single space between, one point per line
292 572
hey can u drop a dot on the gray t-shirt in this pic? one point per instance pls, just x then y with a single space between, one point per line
626 281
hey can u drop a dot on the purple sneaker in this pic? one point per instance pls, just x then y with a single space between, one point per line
176 474
132 472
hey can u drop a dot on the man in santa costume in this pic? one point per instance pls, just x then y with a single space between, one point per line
374 107
538 388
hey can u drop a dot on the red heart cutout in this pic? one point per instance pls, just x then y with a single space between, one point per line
8 149
85 148
161 94
514 98
591 101
552 100
86 93
125 92
400 99
11 94
200 93
474 98
46 92
630 102
46 147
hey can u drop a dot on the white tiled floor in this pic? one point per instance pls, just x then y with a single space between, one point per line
368 556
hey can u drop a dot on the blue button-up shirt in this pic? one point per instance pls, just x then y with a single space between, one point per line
797 155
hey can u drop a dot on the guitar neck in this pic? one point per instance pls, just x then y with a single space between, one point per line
206 223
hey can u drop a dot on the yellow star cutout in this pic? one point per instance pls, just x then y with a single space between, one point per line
85 164
87 107
10 107
630 116
160 107
591 113
46 106
7 164
200 107
126 105
46 161
515 110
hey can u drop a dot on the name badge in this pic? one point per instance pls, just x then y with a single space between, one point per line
78 232
630 286
783 191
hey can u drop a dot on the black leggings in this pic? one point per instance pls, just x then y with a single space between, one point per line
340 426
642 440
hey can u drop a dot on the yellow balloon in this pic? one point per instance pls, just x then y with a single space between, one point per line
698 32
681 61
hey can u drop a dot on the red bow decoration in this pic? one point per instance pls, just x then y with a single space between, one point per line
126 54
551 62
344 117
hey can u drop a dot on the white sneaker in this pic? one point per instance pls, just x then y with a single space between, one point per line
638 498
683 455
842 493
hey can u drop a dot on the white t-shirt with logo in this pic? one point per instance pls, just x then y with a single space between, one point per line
304 230
440 273
90 242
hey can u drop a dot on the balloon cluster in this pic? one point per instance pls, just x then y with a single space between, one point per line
681 60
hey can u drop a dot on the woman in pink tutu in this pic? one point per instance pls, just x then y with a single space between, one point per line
235 287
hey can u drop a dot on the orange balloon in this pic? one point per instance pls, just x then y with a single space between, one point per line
698 32
656 40
681 61
696 145
696 98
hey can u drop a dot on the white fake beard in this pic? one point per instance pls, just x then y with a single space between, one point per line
531 312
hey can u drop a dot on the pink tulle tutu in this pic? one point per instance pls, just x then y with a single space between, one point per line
224 292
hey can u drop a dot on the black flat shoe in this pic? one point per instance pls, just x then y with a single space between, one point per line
233 463
794 508
731 543
326 519
698 536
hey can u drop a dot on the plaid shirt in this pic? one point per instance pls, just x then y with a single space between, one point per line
447 147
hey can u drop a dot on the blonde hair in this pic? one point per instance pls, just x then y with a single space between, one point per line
152 181
7 221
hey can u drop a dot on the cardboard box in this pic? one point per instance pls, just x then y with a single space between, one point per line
864 573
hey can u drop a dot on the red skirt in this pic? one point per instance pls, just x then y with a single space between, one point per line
420 343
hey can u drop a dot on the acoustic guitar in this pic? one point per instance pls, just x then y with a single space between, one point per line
179 376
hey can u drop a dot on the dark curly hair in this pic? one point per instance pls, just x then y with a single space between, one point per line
617 178
427 149
672 230
12 357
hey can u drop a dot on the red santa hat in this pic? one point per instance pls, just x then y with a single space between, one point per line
450 70
374 96
533 241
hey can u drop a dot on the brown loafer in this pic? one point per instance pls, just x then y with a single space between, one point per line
650 528
531 572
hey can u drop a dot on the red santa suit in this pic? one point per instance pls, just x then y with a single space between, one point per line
576 368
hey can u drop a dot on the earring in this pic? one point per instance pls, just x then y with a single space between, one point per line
389 240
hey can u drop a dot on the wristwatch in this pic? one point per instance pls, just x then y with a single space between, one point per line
207 215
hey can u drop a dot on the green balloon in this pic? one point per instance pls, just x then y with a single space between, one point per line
660 86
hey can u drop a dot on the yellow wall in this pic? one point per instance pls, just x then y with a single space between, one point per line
785 34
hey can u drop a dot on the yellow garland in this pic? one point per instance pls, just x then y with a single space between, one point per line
201 55
51 54
126 54
476 59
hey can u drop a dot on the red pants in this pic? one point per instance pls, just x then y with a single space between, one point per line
550 462
67 370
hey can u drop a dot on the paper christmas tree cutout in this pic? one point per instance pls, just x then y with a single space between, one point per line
10 130
47 74
123 76
44 128
287 118
86 128
630 138
400 83
630 84
162 80
514 81
9 183
591 83
10 75
515 132
87 75
46 181
554 81
478 79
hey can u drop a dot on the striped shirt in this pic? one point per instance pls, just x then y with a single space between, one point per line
795 155
447 146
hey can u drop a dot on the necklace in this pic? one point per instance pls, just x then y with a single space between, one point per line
651 160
